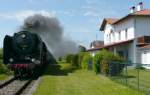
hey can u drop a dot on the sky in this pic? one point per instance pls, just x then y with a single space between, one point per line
80 19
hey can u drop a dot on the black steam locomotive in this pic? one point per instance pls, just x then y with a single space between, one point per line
25 53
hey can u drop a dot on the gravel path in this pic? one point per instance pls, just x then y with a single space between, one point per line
12 87
3 81
32 87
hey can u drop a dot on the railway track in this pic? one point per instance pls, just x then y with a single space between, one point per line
14 86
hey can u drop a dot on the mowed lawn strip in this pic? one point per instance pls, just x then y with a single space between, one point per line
3 77
68 81
144 80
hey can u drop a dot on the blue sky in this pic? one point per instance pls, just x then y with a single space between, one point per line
80 19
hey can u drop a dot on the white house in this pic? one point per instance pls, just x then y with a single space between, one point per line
129 36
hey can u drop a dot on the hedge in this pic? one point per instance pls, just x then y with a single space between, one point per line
87 62
102 61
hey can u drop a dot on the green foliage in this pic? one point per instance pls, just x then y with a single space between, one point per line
1 54
74 60
3 68
102 60
69 58
80 58
140 67
59 59
96 62
86 61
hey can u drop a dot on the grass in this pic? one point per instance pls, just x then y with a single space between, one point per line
132 80
63 79
3 76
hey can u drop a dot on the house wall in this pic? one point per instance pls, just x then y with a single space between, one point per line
107 31
122 27
128 48
135 27
142 26
111 32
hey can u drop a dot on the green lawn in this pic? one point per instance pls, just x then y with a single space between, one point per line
65 80
3 77
132 80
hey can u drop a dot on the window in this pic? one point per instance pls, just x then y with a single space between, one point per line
113 34
110 37
107 38
119 35
126 33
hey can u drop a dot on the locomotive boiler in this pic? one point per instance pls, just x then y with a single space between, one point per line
25 53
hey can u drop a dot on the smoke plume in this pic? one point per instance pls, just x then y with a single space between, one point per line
51 32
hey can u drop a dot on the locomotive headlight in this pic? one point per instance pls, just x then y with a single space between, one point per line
32 59
11 59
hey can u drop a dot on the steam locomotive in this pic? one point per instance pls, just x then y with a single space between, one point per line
25 53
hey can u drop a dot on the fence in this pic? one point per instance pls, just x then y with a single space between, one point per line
134 76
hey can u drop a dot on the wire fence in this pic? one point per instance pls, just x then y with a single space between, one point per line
134 76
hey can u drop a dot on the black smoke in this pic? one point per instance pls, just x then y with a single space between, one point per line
51 32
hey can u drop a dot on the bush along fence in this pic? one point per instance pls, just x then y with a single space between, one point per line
103 62
106 62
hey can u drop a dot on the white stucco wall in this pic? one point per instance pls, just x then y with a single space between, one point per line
136 27
142 25
121 27
107 31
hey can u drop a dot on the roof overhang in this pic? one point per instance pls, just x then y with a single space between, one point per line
111 45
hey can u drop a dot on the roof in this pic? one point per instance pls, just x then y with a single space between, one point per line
109 21
94 49
142 12
145 12
97 43
111 45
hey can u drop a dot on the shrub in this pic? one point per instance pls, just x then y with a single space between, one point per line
59 59
140 67
96 62
80 58
87 60
69 58
3 68
1 54
74 60
102 61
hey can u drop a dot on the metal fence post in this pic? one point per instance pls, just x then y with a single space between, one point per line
138 71
126 73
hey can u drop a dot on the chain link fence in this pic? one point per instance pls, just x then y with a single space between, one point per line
134 76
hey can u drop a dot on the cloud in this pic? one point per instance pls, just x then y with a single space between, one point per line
35 1
91 13
91 1
21 15
68 13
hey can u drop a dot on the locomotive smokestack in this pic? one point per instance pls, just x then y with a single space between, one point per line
51 32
